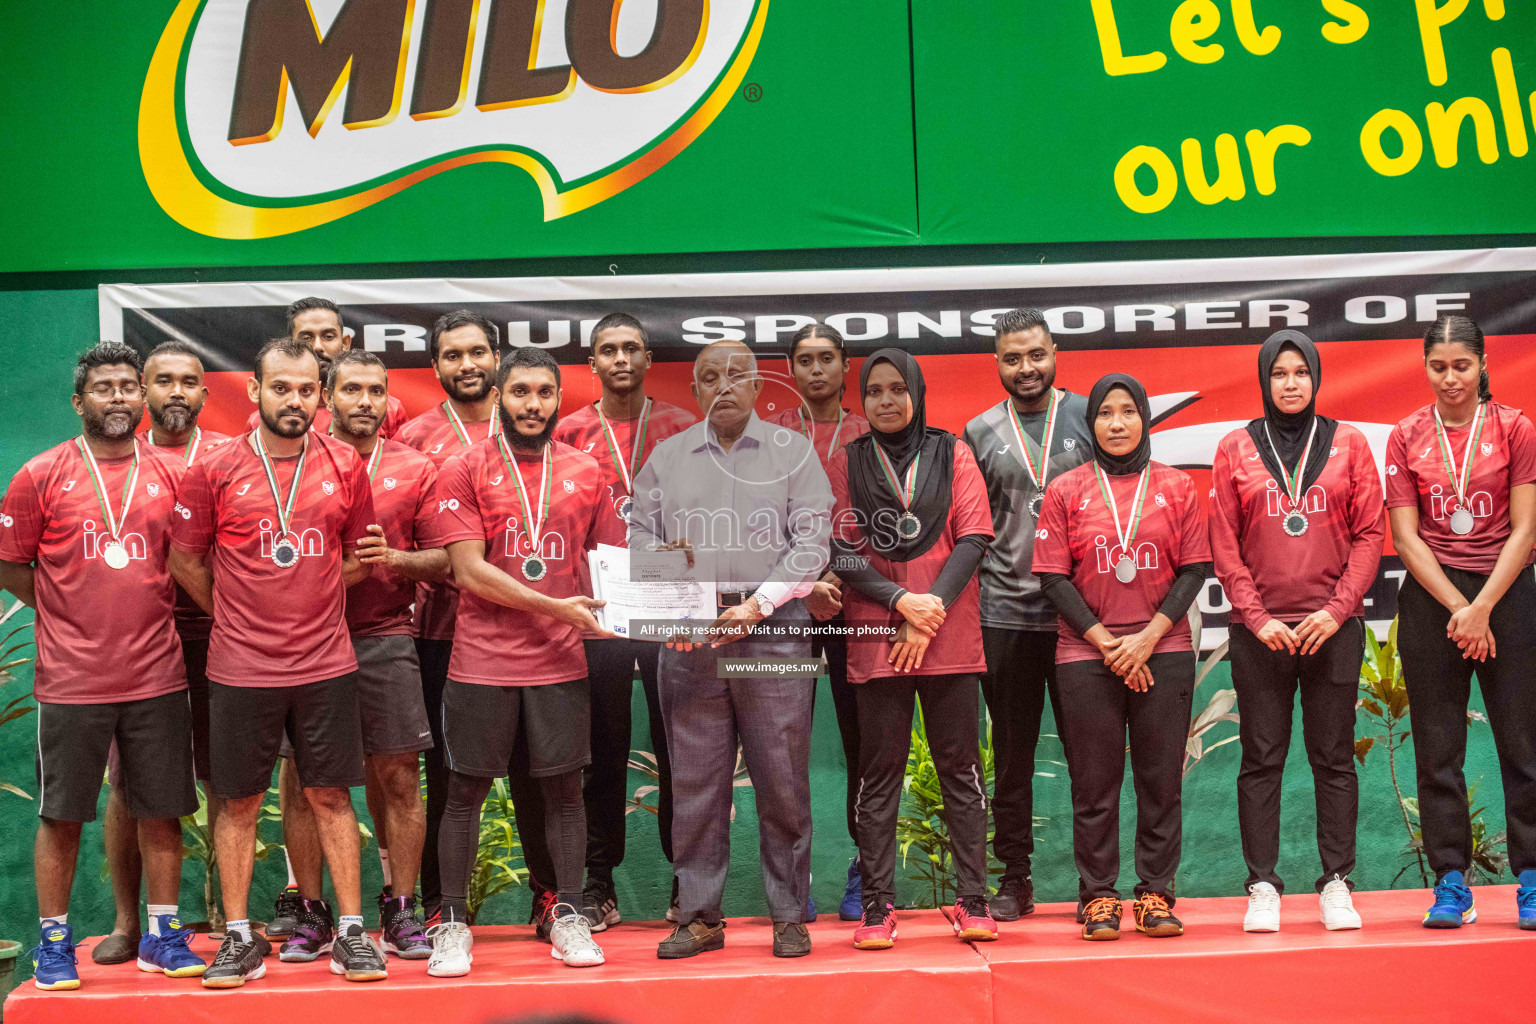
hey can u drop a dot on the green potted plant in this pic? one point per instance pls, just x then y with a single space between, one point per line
16 639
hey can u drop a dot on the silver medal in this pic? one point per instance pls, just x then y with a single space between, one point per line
908 526
1125 570
1461 522
534 568
625 506
285 555
1295 523
115 555
1035 504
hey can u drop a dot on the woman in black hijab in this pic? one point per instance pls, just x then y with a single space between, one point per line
910 525
1122 550
1297 530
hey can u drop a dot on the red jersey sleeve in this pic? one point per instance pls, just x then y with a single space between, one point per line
845 522
1402 488
1053 549
458 507
360 516
21 519
1194 535
1367 530
193 525
970 513
1522 451
1226 523
424 525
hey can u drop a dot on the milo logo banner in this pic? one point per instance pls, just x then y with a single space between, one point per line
1188 329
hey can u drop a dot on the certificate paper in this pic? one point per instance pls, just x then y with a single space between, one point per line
682 598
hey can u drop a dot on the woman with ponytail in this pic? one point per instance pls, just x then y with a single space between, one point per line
1461 496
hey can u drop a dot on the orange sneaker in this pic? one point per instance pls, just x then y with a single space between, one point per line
1101 919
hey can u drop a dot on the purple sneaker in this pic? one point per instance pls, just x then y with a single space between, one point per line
312 936
403 934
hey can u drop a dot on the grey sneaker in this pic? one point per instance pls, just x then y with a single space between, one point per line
236 963
570 938
357 957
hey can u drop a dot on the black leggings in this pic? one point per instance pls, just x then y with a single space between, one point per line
845 702
1097 710
565 835
1439 682
1266 682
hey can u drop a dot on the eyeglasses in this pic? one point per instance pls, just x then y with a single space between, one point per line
104 392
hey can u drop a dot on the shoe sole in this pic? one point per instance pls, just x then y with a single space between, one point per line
440 972
1256 929
305 957
1527 924
371 974
975 935
1161 931
1101 934
235 982
609 920
67 985
557 955
708 947
1467 917
179 972
1347 926
787 954
876 943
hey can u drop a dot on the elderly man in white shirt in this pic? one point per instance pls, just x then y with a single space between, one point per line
751 505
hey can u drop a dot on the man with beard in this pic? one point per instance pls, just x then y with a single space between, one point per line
174 394
1035 434
465 351
316 322
389 697
619 430
265 540
84 529
517 513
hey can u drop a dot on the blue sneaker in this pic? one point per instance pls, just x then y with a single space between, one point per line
1525 903
852 907
53 958
810 909
168 953
1453 903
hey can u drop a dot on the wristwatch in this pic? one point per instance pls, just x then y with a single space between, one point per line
764 605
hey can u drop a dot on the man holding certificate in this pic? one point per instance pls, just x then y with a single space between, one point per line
749 505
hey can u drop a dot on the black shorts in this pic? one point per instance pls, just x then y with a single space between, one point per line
153 738
480 724
194 654
247 723
389 697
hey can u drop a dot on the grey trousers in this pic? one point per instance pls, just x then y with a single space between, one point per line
706 716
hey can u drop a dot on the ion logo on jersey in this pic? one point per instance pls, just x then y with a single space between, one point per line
300 112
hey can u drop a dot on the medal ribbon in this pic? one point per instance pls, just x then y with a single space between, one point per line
1037 475
1134 523
905 491
98 482
1460 481
637 447
375 458
192 445
1292 482
284 509
808 428
458 424
534 527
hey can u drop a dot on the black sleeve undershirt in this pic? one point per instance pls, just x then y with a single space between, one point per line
854 569
1059 590
1186 587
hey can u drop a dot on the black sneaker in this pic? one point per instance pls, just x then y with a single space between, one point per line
1015 898
542 916
600 905
236 963
312 936
285 915
1154 916
1101 919
401 933
355 956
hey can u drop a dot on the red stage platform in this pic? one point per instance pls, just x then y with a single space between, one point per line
1392 971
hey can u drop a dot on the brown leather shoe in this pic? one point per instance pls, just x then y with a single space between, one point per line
115 949
693 939
790 938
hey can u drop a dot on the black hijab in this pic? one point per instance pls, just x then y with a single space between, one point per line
1134 460
1291 430
869 491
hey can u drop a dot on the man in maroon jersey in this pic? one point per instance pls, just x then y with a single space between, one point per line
394 717
84 529
316 322
174 394
619 431
517 513
265 539
465 351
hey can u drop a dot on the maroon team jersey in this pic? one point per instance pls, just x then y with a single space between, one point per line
433 434
104 635
274 626
403 483
494 644
826 437
1269 574
191 621
394 419
583 431
1505 458
957 647
1076 536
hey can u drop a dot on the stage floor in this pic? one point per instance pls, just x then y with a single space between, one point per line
1393 970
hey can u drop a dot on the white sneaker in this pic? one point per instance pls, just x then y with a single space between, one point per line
1263 909
570 939
1336 909
451 943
